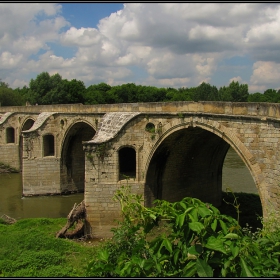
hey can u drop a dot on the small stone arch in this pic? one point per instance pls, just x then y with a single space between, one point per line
127 162
26 125
10 135
48 145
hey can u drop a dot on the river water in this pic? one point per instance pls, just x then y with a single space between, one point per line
236 176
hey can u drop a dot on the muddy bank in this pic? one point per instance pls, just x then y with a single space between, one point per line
4 168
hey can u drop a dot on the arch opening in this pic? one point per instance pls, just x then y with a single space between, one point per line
48 145
26 126
188 162
127 163
73 157
10 135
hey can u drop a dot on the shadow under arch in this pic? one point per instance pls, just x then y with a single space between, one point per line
187 160
127 162
27 124
72 166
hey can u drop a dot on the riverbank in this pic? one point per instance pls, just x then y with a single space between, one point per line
28 248
5 168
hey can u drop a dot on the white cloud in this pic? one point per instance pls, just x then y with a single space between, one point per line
9 61
174 44
83 37
236 79
265 75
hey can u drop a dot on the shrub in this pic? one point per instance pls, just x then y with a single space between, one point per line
188 238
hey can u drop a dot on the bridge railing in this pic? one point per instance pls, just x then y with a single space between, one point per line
212 107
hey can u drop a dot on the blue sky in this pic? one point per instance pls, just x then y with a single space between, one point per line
158 44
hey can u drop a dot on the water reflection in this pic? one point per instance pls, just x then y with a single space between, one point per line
13 205
235 176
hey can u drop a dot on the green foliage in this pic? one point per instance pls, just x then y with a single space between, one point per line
271 95
47 89
188 238
9 97
98 94
206 92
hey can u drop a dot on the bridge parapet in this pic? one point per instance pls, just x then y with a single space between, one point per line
212 107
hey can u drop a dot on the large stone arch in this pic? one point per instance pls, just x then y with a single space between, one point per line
73 157
206 140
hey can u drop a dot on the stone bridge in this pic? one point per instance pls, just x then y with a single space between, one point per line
162 150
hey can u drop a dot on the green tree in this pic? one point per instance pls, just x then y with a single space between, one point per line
225 94
182 94
126 93
22 94
46 89
38 88
239 92
56 93
150 94
256 97
98 94
206 92
271 95
75 91
8 96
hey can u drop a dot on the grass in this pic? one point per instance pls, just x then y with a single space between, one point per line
29 248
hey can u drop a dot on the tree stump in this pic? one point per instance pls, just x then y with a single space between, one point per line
77 215
8 219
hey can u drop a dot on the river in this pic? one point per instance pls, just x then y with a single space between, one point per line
236 176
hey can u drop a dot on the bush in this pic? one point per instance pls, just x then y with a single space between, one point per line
183 239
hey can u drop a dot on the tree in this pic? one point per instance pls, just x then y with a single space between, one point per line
225 94
8 96
206 92
98 94
271 95
236 92
75 91
182 94
256 97
56 93
46 89
39 88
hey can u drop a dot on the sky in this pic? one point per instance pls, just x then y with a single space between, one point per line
154 44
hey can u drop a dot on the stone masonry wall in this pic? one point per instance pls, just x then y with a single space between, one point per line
42 174
252 129
255 139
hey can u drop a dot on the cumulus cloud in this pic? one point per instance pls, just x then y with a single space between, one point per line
265 75
174 44
83 37
236 79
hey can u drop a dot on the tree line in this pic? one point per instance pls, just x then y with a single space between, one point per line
48 89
